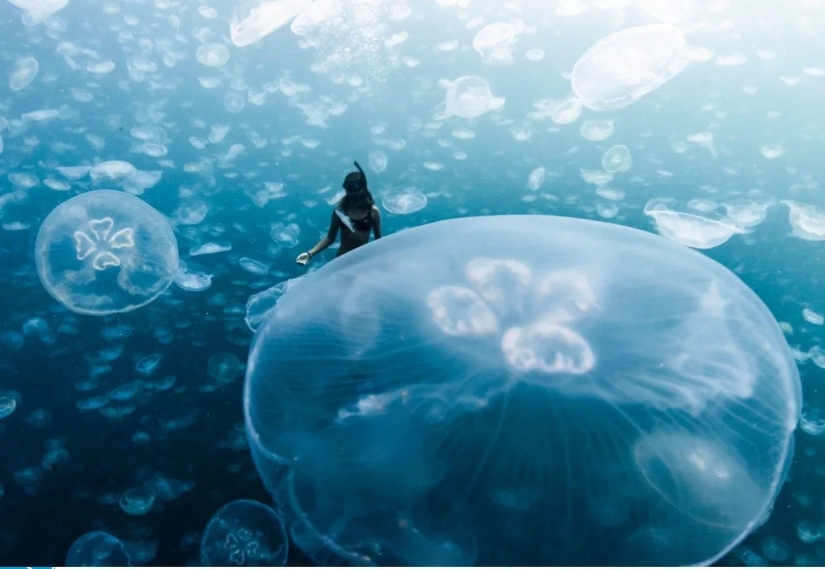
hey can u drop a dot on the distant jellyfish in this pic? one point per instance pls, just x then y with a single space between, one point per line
234 103
597 130
617 159
403 201
746 213
699 232
551 391
25 70
117 171
244 533
623 67
467 97
807 221
192 212
97 549
212 54
495 42
104 252
256 19
223 367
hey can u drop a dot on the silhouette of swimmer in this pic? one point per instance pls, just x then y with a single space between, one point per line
355 215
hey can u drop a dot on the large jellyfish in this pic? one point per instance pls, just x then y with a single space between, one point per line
551 392
104 252
621 68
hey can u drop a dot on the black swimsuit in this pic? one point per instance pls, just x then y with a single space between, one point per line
363 224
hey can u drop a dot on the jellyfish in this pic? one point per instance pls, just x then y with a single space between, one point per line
97 549
36 11
257 19
627 65
467 97
104 252
244 533
553 392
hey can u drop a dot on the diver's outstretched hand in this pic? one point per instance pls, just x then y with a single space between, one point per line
302 258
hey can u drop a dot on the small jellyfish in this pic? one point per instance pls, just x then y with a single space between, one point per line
25 70
495 42
137 501
467 97
223 367
104 252
404 201
688 229
7 406
597 130
212 54
617 159
256 19
536 179
97 549
244 533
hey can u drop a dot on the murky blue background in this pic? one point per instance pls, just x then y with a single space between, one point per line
357 91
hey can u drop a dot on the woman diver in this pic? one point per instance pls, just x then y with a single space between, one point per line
355 215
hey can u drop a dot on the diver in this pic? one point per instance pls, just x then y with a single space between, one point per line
355 215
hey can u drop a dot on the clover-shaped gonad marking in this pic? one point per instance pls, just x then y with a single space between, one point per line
532 315
241 545
101 244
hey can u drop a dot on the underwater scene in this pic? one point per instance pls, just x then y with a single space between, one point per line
412 282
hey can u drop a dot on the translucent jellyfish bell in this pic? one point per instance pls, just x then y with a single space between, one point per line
623 67
256 19
97 549
104 252
553 392
467 97
244 533
38 10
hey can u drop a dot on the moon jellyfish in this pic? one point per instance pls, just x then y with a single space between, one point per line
25 70
244 533
690 230
495 42
212 54
807 221
404 201
97 549
617 159
257 19
38 10
597 130
104 252
623 67
554 391
467 97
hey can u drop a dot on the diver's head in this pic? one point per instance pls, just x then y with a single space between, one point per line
354 183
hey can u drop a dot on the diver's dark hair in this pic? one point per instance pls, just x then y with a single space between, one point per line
358 194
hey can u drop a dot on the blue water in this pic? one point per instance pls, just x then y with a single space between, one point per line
765 146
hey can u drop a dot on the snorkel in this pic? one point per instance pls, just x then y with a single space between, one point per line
363 175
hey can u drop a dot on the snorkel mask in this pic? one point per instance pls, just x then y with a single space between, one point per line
353 183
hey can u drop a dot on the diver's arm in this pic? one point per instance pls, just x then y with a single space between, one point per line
323 243
376 222
332 234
